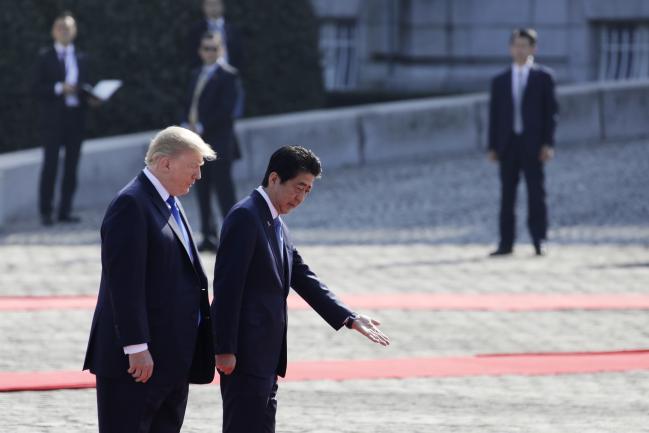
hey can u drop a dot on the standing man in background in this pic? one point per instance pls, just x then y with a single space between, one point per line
522 120
256 266
215 21
208 112
59 77
151 332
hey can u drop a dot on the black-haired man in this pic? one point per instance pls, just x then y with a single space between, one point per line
522 120
256 265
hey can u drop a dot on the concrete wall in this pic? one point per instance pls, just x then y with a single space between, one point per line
590 113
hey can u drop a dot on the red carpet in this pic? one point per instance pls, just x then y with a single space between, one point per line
404 301
486 365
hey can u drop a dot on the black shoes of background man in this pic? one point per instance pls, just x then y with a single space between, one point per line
208 245
540 248
501 251
47 220
69 219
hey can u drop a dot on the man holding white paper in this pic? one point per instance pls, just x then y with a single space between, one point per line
59 84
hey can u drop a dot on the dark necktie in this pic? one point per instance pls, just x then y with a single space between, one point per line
171 201
277 223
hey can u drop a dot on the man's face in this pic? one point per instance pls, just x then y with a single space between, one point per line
521 49
213 9
179 172
64 30
290 194
210 50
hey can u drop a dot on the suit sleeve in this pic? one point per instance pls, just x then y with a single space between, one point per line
221 105
317 294
493 113
236 248
42 87
124 258
551 110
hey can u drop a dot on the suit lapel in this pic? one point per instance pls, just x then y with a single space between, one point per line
267 222
166 213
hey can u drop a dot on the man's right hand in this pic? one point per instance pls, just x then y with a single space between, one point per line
69 89
492 155
140 366
226 362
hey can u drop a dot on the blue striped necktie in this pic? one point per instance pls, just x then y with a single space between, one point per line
171 201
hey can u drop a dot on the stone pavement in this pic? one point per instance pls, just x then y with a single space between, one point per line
414 226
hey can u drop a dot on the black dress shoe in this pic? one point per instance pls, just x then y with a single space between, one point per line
540 249
69 219
501 252
47 220
207 245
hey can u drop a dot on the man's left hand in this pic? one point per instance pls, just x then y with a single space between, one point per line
546 154
369 328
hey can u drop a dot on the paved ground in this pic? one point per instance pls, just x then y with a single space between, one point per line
414 226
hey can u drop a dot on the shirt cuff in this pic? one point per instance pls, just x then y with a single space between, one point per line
58 88
135 348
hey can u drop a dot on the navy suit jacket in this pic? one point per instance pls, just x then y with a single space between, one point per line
47 72
150 292
539 110
215 107
251 284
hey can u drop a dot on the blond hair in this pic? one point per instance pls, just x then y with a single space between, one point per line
173 140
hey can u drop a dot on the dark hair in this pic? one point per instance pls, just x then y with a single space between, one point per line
529 34
211 35
290 161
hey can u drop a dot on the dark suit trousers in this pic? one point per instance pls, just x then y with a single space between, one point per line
127 406
68 135
517 158
249 403
215 176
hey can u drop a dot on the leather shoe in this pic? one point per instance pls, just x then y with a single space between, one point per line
501 252
540 249
69 219
47 220
207 245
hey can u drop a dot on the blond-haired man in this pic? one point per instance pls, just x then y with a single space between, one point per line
151 332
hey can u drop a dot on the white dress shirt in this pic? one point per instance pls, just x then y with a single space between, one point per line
520 74
273 211
136 348
71 72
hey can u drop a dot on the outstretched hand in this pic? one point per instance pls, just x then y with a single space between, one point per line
369 328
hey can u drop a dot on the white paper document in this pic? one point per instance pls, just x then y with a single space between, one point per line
104 89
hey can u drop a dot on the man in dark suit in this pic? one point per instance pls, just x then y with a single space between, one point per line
214 21
151 331
256 265
208 112
522 120
59 78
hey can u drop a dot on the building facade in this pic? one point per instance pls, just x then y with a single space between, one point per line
451 46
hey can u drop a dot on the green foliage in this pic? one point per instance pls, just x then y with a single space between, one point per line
141 42
280 39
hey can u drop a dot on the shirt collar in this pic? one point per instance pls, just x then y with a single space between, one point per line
216 22
525 68
273 211
61 48
209 69
157 184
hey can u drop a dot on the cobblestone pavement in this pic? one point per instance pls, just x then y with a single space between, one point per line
413 226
